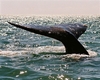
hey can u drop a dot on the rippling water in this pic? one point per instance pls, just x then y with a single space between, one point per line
28 56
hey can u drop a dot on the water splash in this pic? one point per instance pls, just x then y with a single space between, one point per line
47 49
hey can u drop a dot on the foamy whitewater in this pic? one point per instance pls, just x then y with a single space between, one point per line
47 49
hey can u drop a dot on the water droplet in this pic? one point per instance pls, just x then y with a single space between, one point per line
17 75
21 72
79 78
49 32
66 78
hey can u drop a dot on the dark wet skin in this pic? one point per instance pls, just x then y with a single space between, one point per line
66 33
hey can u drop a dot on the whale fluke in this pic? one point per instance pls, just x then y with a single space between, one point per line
66 33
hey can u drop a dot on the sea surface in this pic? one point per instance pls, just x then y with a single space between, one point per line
29 56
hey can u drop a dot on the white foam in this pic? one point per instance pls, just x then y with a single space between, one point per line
49 49
78 56
35 50
12 53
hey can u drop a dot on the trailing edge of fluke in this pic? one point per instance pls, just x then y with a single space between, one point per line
68 34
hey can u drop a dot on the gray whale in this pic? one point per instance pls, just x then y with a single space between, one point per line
68 34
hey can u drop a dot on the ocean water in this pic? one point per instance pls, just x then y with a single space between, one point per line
29 56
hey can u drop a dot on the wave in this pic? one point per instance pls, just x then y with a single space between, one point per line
55 50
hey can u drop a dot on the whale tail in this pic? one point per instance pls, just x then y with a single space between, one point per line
66 33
